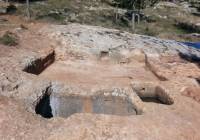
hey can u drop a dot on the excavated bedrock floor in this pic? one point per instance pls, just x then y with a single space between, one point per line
91 74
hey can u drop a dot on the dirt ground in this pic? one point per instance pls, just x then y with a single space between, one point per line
78 62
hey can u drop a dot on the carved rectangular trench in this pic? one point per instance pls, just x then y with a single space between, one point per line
40 64
55 106
152 93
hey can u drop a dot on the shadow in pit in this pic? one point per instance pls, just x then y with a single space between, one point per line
198 80
43 107
151 99
37 66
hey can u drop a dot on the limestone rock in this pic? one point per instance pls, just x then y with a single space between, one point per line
58 88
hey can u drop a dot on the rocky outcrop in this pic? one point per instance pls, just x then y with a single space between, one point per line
91 39
101 84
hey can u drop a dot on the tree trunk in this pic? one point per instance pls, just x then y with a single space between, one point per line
133 22
28 9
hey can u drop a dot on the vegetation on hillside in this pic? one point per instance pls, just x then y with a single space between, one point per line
159 21
136 4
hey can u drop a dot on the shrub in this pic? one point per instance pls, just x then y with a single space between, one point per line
135 4
150 32
9 39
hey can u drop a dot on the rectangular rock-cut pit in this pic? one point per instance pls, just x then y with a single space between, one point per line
152 93
38 65
65 106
